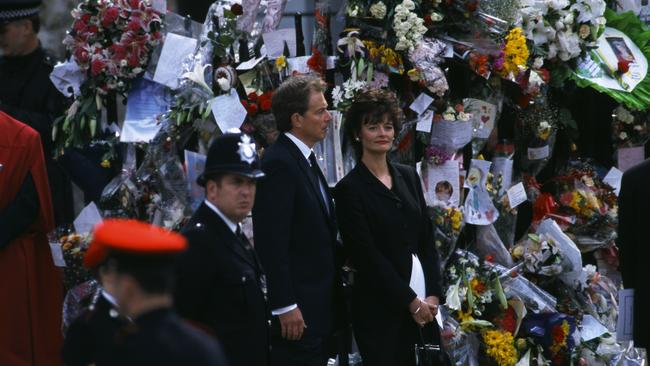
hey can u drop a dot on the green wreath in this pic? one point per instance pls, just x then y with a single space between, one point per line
631 25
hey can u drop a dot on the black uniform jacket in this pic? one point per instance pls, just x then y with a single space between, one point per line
161 338
220 285
634 245
295 236
91 337
381 229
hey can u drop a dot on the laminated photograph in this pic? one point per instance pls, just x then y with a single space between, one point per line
442 184
479 208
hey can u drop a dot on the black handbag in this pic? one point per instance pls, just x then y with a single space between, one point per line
429 353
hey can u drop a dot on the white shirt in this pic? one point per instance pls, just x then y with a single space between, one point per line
231 225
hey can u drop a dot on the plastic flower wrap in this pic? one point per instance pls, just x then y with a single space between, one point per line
562 28
426 56
540 255
536 136
555 332
629 128
111 41
451 130
505 224
447 225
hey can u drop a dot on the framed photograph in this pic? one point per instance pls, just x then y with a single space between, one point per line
620 48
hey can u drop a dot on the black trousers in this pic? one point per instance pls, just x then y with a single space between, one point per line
311 350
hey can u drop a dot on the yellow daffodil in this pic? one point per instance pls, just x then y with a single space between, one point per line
281 63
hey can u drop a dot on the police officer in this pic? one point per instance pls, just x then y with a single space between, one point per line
26 92
221 285
139 267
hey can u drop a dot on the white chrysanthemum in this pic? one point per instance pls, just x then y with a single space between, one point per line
378 10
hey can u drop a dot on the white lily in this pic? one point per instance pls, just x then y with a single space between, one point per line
197 75
453 297
351 42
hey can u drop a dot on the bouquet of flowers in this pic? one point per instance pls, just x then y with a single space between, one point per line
562 28
451 129
447 224
629 129
505 224
536 135
540 255
73 247
111 40
474 290
499 348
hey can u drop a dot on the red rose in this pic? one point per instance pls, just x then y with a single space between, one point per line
97 66
134 25
109 16
134 4
244 103
118 51
252 109
623 66
471 6
92 29
489 258
81 55
544 74
427 20
134 60
459 108
237 9
252 97
79 26
85 18
265 105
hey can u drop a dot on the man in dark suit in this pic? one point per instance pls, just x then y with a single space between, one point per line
634 251
295 229
139 266
221 286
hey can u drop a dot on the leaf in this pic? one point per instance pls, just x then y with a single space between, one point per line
93 127
360 66
370 72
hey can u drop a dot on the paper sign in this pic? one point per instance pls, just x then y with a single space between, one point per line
451 134
147 100
194 166
87 219
421 103
517 195
449 50
424 122
483 116
331 62
160 5
538 153
630 156
298 64
571 258
170 65
228 111
274 42
442 184
625 324
57 255
250 63
613 178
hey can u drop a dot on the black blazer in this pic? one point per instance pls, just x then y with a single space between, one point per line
634 246
219 285
161 338
295 236
381 229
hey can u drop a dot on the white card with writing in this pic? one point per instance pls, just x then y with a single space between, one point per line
451 134
483 116
424 122
274 42
613 178
517 195
421 103
228 111
170 64
250 63
538 153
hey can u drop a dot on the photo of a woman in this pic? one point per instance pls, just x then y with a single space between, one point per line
620 49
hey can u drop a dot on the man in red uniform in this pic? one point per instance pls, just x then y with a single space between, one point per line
31 288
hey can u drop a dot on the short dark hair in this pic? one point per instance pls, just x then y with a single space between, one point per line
154 274
36 23
371 107
292 96
216 177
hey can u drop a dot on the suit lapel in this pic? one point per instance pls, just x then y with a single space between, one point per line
306 170
224 234
376 185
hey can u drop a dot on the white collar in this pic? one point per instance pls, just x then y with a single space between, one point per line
231 225
304 149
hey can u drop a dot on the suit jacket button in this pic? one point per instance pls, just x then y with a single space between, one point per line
269 322
243 279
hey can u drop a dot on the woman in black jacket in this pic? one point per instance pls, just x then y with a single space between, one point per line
387 232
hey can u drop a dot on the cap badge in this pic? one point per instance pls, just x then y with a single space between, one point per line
246 149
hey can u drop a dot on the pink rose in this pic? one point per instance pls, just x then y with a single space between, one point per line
135 4
134 25
79 26
92 29
86 18
81 55
134 60
118 51
97 66
109 16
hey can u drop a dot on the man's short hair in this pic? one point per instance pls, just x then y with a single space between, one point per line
154 274
292 96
